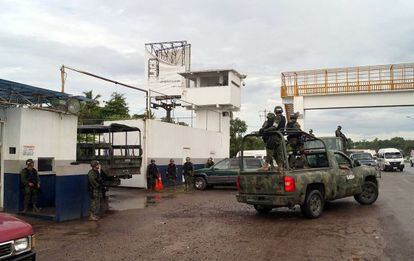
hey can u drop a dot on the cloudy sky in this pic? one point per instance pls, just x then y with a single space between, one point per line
259 38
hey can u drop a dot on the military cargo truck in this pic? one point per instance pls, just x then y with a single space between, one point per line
110 146
322 175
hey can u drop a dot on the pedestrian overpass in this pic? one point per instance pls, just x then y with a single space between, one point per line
353 87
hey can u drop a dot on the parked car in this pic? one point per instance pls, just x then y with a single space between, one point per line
363 159
390 159
412 158
16 239
223 172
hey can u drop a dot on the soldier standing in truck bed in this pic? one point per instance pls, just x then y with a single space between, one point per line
339 134
269 138
294 140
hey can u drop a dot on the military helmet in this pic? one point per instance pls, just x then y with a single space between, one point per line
339 127
278 109
94 163
294 115
271 116
29 161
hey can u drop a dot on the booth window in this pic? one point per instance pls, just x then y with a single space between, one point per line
12 150
45 164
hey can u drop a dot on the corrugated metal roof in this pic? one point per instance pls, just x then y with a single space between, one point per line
19 93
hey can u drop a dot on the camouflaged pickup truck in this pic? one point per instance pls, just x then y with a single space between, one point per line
309 180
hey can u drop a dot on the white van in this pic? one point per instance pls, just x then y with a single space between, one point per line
390 159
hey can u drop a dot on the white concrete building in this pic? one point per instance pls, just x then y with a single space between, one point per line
32 130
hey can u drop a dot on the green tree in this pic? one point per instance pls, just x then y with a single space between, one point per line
237 129
90 112
116 108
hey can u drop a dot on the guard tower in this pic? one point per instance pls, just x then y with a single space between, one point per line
213 94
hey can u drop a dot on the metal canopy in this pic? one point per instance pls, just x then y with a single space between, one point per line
18 94
114 127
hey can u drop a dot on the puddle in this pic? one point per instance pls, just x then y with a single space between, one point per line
120 200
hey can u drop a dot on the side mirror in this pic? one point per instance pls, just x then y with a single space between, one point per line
344 167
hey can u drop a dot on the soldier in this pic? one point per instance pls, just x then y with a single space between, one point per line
278 125
338 133
209 163
95 190
294 140
31 185
172 172
269 139
152 175
188 172
280 119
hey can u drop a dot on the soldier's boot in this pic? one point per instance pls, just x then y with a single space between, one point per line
25 206
93 217
35 208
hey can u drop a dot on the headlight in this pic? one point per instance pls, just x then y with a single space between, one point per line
22 244
387 163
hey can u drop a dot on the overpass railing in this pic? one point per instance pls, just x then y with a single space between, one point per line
361 79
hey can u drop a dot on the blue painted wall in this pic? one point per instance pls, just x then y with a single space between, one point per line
72 198
13 193
67 194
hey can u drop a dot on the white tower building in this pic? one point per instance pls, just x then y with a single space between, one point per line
213 95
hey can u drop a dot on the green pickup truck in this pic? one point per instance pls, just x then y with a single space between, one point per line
309 180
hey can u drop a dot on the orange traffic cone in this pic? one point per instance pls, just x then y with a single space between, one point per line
158 184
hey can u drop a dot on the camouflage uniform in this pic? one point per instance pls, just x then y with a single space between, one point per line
188 172
294 140
30 192
268 138
172 173
274 145
95 191
338 133
152 175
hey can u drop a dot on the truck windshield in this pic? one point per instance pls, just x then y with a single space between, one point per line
392 155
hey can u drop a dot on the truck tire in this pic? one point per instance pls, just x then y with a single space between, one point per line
314 203
262 209
200 183
369 193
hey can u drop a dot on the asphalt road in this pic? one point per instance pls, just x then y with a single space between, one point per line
212 225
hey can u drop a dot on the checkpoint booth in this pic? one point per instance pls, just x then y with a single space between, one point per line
41 124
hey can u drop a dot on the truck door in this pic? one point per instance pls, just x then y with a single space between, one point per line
219 172
346 181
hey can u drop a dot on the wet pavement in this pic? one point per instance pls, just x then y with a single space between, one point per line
212 225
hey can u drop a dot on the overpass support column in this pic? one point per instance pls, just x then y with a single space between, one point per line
299 107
